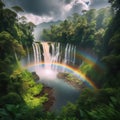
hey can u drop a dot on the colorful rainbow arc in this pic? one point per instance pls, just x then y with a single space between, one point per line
74 70
90 59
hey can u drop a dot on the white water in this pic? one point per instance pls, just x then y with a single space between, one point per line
50 53
58 54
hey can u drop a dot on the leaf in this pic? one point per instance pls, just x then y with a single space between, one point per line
3 112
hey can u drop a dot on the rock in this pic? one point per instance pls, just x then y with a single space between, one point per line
62 75
35 76
72 80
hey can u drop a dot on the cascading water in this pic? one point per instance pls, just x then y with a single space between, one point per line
46 53
37 53
74 54
66 54
58 54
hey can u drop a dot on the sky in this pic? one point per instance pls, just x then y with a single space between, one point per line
38 11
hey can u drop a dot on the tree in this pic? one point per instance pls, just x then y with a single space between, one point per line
4 81
91 15
1 4
7 20
11 98
115 5
114 42
17 9
8 46
25 32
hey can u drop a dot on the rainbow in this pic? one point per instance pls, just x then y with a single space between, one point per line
92 60
74 70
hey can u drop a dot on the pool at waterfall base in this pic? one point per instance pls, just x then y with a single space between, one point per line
63 92
49 59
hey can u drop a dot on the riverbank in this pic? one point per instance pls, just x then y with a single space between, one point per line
49 103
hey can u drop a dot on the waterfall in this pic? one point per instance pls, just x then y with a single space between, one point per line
54 53
37 53
34 52
16 57
74 54
53 50
66 54
46 52
28 54
70 54
58 53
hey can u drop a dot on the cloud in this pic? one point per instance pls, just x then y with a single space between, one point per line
85 4
40 10
35 18
75 6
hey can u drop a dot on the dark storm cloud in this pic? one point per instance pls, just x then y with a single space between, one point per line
67 1
49 7
45 10
44 7
39 7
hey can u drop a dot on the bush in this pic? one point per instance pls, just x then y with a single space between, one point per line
11 98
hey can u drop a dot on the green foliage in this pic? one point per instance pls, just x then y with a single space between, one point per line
17 9
1 4
11 98
29 89
114 42
104 113
35 90
7 20
24 32
94 73
86 67
69 111
94 105
115 5
9 45
4 81
98 48
34 102
19 30
112 62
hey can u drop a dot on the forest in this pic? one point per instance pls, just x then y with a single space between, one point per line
98 30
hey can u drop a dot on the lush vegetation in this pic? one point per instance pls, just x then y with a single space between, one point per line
98 30
19 93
